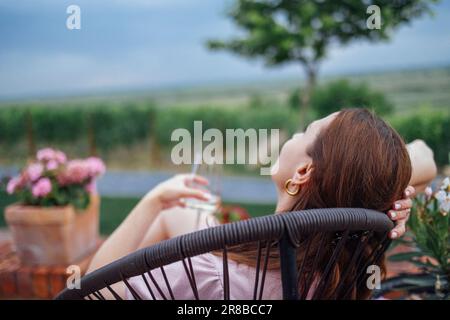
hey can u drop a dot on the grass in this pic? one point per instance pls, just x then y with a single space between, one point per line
407 89
114 210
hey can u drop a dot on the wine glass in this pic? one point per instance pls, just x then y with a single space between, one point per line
212 172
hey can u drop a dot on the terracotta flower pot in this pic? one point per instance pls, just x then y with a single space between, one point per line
53 235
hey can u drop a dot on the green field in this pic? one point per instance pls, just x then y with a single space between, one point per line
407 89
114 210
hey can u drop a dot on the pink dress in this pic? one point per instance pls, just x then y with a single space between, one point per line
208 272
209 280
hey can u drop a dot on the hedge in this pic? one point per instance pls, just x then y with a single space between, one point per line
110 125
221 118
114 125
331 96
431 126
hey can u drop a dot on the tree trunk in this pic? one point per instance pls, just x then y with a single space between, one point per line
305 100
155 150
31 145
92 144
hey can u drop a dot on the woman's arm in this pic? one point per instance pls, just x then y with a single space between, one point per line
424 168
128 236
174 222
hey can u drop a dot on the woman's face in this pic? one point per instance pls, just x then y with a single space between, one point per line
293 154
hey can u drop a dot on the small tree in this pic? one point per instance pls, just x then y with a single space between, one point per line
301 31
339 94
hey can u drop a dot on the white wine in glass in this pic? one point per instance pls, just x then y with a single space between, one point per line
212 172
209 206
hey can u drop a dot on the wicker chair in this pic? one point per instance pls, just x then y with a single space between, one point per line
285 231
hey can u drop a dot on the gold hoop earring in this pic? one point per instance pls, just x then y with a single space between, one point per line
289 192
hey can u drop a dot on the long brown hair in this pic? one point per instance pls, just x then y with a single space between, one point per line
358 161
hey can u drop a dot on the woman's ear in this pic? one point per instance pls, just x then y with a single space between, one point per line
302 173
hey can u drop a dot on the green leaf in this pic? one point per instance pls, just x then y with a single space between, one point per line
405 256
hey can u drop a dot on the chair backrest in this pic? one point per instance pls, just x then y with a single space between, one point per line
286 231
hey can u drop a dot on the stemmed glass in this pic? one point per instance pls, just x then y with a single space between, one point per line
213 173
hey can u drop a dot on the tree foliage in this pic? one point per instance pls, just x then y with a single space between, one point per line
302 31
340 94
283 31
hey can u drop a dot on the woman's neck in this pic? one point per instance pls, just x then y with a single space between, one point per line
284 203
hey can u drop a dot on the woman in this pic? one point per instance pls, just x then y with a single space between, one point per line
348 159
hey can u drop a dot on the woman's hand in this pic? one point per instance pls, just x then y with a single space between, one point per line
172 192
400 213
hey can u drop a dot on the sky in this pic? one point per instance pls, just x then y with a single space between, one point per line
138 44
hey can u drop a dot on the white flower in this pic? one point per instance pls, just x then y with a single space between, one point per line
445 207
445 183
428 192
443 199
440 195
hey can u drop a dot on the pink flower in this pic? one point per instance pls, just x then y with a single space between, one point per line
48 154
45 154
13 185
42 188
95 166
52 165
60 157
34 171
80 171
91 187
76 172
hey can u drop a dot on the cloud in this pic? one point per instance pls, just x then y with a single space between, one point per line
157 4
154 43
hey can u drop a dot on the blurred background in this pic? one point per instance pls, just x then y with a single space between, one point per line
138 69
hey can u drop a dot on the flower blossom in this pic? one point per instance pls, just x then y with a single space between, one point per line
428 192
52 165
81 171
49 154
446 184
14 184
41 188
34 171
95 166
